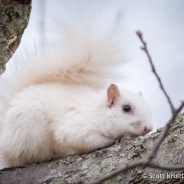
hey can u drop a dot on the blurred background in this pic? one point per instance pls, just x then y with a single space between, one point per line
162 24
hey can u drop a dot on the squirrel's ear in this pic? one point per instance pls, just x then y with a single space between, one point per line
112 94
139 93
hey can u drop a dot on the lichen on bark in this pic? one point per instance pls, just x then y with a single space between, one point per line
13 20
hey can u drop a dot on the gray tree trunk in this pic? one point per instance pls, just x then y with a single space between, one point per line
13 20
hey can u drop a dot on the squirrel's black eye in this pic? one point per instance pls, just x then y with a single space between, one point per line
126 108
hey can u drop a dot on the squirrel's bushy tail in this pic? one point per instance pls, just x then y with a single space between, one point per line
89 51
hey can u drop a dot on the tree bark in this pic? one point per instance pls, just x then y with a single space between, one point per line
13 19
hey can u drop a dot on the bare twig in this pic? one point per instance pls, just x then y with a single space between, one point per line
147 162
163 167
174 111
139 33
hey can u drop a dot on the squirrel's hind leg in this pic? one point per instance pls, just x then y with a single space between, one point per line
25 137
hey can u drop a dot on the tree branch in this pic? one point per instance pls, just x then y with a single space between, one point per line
139 33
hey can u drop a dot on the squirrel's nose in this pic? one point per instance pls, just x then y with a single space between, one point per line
148 129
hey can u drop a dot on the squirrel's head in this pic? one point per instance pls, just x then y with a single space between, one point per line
128 113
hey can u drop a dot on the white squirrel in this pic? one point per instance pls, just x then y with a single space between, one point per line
63 101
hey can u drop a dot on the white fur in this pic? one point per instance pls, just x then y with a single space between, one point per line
52 120
54 103
88 51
